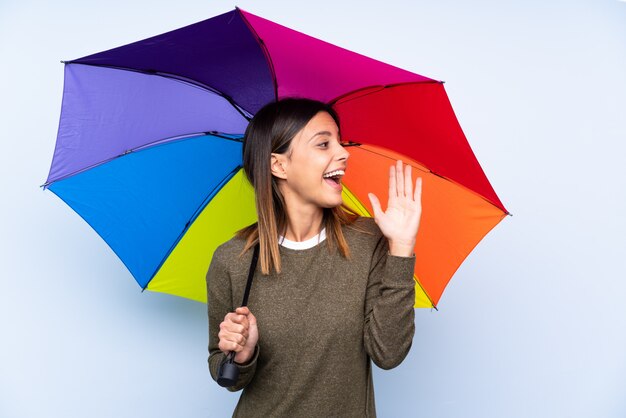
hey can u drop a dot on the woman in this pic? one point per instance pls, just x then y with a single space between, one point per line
332 290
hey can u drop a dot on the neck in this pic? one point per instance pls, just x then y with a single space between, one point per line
303 224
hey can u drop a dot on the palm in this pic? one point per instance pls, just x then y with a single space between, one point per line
400 222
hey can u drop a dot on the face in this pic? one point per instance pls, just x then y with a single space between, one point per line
314 154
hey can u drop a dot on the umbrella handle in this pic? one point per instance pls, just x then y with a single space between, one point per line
228 374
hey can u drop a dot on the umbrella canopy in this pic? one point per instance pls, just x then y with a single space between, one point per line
149 145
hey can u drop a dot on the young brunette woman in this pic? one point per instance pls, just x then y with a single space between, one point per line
332 290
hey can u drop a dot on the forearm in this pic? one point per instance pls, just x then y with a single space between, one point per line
390 322
219 301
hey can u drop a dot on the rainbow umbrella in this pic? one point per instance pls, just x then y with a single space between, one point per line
149 145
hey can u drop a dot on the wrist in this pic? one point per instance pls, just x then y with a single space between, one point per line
401 249
244 356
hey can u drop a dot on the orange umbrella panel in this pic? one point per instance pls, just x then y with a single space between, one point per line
454 219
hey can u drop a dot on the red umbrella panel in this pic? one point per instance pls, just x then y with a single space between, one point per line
415 122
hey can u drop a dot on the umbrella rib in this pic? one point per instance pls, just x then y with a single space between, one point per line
351 144
143 147
417 280
266 53
119 256
428 170
193 217
176 77
356 201
388 157
375 89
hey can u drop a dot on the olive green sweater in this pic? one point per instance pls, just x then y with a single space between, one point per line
320 322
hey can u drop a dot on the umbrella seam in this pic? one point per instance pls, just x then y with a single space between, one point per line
144 147
376 88
101 236
175 77
266 53
506 212
193 217
468 254
56 145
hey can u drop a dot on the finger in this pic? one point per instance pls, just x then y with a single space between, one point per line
242 310
418 190
225 346
399 179
408 181
244 322
232 337
237 338
392 182
234 328
230 317
238 319
251 319
375 205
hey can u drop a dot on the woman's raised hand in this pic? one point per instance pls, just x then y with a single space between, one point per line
239 333
400 222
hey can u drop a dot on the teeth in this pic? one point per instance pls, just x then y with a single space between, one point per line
334 173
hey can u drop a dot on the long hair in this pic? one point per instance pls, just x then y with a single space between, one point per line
271 130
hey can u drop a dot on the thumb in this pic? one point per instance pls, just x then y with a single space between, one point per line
251 319
375 205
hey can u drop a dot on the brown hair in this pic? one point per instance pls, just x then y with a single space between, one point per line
271 130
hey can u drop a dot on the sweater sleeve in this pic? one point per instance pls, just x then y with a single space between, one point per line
389 312
219 300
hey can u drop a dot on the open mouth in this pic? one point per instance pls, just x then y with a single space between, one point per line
334 177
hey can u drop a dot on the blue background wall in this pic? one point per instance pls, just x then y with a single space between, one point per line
532 325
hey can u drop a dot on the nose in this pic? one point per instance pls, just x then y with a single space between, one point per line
342 153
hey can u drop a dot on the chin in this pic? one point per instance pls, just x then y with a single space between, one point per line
332 204
328 200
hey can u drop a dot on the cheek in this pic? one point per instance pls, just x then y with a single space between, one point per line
301 177
308 170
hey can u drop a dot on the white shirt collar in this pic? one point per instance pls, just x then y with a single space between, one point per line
302 245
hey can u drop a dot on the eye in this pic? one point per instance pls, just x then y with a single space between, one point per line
323 144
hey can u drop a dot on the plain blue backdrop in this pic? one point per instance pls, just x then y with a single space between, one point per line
532 325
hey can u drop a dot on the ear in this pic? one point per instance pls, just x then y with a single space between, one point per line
277 166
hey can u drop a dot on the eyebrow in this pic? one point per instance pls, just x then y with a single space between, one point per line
328 133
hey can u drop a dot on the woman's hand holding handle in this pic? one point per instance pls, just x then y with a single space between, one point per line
239 334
